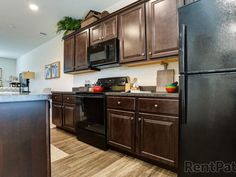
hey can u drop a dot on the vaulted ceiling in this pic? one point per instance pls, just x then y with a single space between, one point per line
20 27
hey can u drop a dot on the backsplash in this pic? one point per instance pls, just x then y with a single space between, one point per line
146 75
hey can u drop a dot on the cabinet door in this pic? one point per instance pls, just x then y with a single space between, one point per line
121 129
110 29
69 117
96 34
82 43
158 138
132 35
57 114
69 54
162 28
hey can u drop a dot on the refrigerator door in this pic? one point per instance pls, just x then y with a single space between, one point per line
208 36
208 133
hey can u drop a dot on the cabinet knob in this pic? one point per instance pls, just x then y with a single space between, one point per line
139 119
67 98
150 53
142 54
131 118
118 102
100 38
155 105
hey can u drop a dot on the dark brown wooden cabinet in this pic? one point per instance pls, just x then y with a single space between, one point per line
57 114
132 34
104 31
69 116
81 54
64 111
121 129
149 129
96 34
162 28
158 138
69 54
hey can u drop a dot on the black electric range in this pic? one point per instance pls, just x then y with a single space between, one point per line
91 120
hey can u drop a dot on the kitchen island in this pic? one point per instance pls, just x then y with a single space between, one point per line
24 135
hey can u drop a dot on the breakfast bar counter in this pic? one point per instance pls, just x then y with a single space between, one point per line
24 135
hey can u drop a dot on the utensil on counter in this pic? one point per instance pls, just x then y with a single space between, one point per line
164 77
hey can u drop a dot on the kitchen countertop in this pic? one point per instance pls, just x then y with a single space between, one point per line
155 94
16 97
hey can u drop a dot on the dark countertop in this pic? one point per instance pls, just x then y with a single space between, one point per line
157 94
151 95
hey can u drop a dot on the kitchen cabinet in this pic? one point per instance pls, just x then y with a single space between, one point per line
158 138
121 129
69 54
69 116
81 54
64 111
57 114
103 31
162 28
132 34
148 127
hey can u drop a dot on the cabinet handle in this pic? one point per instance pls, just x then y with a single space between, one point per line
131 118
142 54
155 105
150 53
139 119
118 102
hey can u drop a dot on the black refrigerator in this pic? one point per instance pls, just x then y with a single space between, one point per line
208 89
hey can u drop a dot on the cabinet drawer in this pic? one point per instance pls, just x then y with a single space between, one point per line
69 99
161 106
57 97
124 103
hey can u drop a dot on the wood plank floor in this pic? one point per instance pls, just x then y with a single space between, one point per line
88 161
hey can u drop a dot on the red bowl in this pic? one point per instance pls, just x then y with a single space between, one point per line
171 90
98 89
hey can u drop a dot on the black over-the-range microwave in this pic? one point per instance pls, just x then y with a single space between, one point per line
104 53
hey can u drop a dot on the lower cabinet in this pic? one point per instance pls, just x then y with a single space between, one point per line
158 138
121 129
64 112
57 114
149 135
69 116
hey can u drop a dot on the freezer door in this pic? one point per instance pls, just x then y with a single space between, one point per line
209 132
210 36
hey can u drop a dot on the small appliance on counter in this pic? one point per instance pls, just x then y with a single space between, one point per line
91 122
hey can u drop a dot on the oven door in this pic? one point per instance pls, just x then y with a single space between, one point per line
103 53
92 113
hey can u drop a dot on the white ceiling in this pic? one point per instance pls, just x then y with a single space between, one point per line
20 27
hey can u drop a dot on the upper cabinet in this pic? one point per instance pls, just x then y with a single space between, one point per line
75 52
69 54
81 54
103 31
132 34
162 28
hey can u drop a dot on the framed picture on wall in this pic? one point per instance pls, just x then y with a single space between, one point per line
47 71
55 68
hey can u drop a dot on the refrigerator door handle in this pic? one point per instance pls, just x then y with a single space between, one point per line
183 96
183 52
